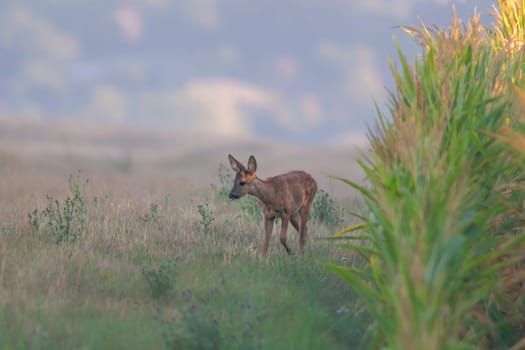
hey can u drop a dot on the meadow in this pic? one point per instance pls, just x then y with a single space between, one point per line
98 255
421 248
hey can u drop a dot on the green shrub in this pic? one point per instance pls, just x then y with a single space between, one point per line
161 279
225 178
214 319
250 209
324 210
152 215
66 220
207 213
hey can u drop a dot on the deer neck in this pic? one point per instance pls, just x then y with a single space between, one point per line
264 190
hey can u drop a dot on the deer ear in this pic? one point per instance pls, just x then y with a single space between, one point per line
236 166
252 165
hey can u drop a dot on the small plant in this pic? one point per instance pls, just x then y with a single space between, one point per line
225 177
250 209
152 215
213 319
6 228
195 330
67 220
99 204
207 213
325 210
161 280
37 220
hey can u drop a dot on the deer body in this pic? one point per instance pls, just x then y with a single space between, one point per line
287 196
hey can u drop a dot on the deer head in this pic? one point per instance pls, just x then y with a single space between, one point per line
244 177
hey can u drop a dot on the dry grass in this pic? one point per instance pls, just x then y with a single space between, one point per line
138 217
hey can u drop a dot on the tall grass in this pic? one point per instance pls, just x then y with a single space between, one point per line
445 197
156 271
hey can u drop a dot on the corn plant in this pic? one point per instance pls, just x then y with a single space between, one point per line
509 30
444 197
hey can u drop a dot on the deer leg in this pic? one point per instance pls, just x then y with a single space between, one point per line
268 227
284 227
295 222
305 212
302 238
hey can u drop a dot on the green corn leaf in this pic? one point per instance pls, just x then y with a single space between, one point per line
354 277
349 229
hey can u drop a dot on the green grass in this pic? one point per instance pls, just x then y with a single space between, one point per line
155 272
250 303
282 303
442 219
77 328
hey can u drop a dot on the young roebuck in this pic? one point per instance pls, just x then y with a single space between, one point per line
287 196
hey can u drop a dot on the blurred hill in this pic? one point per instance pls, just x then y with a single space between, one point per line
60 148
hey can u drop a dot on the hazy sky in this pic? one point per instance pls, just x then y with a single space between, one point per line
304 71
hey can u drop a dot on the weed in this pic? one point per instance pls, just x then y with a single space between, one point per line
99 205
250 209
152 215
207 213
6 228
195 330
214 319
37 220
324 210
161 279
66 220
225 177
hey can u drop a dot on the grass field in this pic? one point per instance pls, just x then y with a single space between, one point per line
142 248
142 258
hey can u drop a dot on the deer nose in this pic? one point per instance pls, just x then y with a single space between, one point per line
233 196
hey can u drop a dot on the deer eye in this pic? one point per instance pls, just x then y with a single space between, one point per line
242 183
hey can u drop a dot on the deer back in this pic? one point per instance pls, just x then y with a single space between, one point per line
291 191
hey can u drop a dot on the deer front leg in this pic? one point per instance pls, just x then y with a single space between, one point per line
268 227
285 219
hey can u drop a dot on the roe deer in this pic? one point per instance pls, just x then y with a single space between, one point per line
287 196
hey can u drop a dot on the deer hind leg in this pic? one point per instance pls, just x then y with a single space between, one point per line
284 227
304 213
294 219
268 228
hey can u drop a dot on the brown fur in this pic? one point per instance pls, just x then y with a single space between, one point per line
287 196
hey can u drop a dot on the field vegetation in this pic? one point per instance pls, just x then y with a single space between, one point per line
113 258
124 254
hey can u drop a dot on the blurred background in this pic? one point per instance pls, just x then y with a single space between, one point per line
97 76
